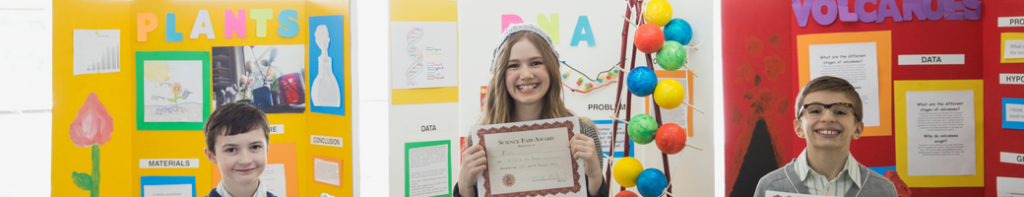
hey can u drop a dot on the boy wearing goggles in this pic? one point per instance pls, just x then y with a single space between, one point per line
829 115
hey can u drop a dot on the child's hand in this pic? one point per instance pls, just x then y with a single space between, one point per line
583 147
474 161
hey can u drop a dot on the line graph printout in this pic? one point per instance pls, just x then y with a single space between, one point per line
424 55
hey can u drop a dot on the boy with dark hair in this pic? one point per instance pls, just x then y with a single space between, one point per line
828 115
237 138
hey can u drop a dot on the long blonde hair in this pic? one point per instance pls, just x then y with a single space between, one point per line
498 107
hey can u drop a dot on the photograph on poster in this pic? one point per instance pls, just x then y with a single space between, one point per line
267 76
326 63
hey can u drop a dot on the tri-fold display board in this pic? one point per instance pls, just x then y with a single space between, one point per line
938 79
440 58
135 81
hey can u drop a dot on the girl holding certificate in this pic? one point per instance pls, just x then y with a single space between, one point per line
526 86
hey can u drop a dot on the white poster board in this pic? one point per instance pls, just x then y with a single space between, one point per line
480 26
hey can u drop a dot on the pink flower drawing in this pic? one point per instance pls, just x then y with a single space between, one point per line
93 124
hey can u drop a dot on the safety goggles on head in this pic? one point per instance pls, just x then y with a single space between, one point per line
816 110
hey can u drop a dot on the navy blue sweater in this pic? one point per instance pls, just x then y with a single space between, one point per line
213 193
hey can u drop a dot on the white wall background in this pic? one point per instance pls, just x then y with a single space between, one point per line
26 97
370 41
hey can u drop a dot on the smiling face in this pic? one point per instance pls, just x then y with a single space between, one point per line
827 132
241 158
526 76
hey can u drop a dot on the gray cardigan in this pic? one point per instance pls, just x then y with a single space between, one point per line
785 180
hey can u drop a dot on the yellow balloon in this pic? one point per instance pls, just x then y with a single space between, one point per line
626 171
658 12
669 94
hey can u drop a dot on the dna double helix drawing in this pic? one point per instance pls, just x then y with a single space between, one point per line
415 54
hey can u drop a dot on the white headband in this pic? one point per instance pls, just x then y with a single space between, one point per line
512 29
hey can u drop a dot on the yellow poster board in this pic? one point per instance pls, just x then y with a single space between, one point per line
901 89
145 26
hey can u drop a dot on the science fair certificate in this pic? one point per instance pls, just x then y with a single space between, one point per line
530 158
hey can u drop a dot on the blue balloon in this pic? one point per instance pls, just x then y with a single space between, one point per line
641 81
678 30
651 182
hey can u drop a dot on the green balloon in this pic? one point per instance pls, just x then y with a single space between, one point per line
641 128
672 56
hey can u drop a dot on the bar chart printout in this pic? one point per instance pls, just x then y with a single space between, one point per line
96 51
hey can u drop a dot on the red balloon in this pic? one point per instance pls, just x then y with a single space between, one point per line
626 193
670 138
648 38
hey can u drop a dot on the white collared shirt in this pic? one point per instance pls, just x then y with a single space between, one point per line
261 191
817 184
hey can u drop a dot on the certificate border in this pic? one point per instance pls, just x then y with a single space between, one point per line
568 124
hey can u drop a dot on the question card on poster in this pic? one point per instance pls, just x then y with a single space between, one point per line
940 133
856 63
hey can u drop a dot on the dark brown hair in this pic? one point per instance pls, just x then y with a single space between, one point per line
832 84
233 119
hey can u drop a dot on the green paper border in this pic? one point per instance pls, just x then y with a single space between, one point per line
412 145
140 110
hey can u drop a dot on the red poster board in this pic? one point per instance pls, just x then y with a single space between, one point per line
760 77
